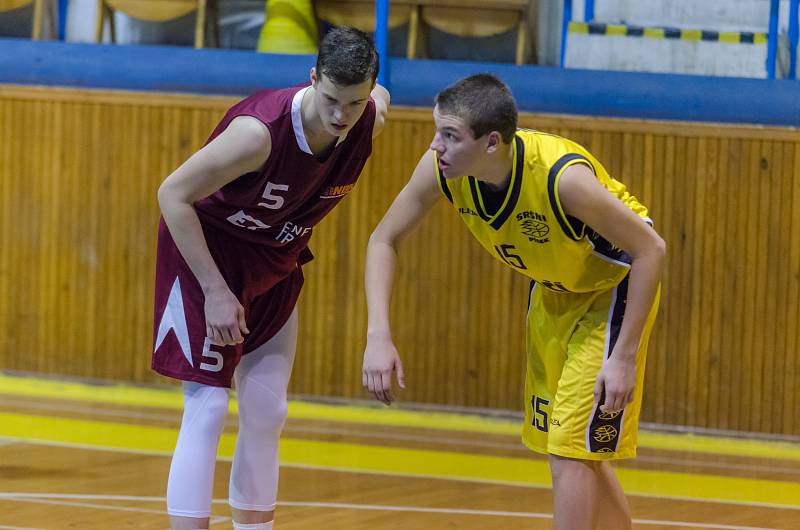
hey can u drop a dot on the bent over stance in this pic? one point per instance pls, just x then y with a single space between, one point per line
545 207
237 218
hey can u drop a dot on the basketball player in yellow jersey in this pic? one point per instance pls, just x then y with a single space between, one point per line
541 205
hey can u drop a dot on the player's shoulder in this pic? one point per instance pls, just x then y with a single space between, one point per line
545 150
268 105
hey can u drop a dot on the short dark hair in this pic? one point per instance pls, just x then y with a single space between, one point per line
347 57
484 102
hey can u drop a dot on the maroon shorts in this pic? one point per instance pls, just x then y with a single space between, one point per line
267 282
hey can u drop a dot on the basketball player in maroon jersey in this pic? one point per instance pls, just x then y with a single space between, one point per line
237 217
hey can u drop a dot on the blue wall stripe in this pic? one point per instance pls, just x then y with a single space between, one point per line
415 83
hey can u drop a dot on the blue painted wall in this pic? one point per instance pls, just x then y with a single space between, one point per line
537 89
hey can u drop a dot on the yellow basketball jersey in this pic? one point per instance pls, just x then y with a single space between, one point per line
530 231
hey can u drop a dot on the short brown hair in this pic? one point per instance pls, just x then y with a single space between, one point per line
347 56
484 102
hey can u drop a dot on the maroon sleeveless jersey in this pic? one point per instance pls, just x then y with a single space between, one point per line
257 228
278 205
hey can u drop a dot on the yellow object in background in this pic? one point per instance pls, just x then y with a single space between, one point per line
290 27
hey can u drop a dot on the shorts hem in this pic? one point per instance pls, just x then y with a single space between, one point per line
534 448
190 377
252 507
579 455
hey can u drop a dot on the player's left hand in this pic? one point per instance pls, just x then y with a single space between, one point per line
617 379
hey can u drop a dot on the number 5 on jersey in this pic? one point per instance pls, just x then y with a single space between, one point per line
274 202
540 419
504 251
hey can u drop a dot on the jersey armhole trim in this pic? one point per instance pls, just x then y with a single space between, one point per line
572 227
441 180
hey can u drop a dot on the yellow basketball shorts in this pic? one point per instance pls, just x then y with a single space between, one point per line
569 336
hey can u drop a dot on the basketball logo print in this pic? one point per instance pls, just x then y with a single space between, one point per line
609 415
534 226
605 450
605 433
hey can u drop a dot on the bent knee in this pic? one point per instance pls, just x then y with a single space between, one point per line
266 415
560 466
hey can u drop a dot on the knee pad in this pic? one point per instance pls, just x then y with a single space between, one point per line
261 412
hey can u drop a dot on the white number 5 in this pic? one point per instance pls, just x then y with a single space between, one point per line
274 201
211 354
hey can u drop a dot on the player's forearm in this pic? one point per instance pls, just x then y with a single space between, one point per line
185 229
378 280
645 276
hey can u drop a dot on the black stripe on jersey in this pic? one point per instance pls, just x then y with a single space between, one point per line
516 185
605 429
443 185
530 294
604 247
576 224
473 186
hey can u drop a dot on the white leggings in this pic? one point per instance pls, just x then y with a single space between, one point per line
261 381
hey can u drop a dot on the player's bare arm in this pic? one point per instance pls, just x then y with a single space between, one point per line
582 196
243 147
410 206
381 98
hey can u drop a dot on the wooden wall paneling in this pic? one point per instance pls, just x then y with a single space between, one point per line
760 349
6 162
79 172
760 322
698 382
687 158
733 305
712 305
786 352
792 374
669 308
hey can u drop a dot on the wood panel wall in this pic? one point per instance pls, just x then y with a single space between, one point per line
78 174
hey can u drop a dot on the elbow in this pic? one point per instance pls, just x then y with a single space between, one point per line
165 197
162 195
660 247
378 239
659 252
169 197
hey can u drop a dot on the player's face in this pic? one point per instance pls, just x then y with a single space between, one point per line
457 151
339 106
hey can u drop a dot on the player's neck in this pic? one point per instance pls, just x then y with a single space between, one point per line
319 140
497 172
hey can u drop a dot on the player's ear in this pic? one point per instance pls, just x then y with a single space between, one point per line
312 75
493 141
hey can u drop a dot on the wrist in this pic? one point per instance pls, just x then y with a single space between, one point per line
379 334
625 351
212 287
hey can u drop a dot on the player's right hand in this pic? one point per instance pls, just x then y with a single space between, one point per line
225 324
380 360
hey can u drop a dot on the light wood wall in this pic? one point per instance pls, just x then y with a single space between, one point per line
78 174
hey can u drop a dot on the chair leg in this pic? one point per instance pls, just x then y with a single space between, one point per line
36 31
413 33
200 25
98 22
522 31
212 23
111 24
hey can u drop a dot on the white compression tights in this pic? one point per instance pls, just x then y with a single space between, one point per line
261 381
